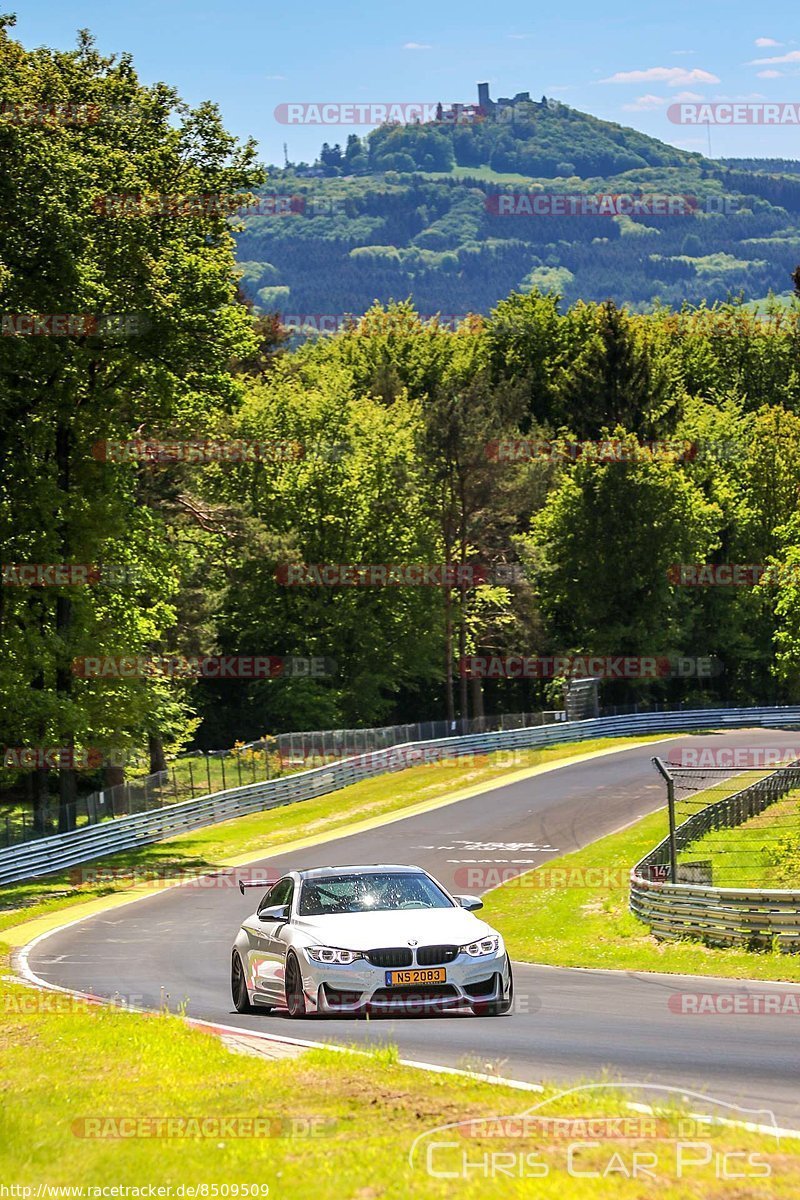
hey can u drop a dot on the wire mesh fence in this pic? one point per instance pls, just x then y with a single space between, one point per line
318 747
735 826
196 774
202 773
187 777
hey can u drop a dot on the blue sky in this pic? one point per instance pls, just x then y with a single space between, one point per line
626 64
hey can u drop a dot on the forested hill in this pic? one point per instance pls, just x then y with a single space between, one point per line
416 210
545 139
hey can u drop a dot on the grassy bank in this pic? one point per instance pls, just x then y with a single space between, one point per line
764 852
98 1097
580 918
332 1125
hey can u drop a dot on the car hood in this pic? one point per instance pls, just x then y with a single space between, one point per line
369 931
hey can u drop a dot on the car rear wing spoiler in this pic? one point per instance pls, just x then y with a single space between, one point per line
259 883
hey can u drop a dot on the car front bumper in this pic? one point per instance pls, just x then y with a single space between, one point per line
335 990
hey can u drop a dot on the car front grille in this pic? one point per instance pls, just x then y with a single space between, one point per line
391 956
436 956
420 993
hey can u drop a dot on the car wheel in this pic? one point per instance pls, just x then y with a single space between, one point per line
295 999
497 1008
241 1000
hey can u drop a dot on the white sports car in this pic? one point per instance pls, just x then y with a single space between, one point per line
384 939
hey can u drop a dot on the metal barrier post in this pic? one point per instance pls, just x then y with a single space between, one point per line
673 850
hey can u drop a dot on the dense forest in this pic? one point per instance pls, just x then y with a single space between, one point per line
415 211
397 441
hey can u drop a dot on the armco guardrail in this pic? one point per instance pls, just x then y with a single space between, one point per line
722 916
49 854
250 762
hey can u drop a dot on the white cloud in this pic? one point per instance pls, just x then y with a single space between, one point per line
748 96
644 103
770 74
274 76
792 56
684 52
688 97
519 37
763 42
671 76
417 46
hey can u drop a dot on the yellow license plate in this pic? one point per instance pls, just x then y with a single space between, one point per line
416 975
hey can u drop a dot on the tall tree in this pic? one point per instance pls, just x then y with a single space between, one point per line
120 314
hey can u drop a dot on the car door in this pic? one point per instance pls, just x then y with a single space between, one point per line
259 935
272 946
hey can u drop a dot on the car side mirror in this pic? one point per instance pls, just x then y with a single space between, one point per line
470 903
274 912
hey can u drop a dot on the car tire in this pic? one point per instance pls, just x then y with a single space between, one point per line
241 999
497 1008
295 998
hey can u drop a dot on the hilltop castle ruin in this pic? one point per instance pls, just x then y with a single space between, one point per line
486 109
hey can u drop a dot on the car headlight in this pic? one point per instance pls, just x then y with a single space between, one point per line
487 945
330 954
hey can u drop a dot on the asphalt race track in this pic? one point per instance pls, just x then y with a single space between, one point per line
568 1025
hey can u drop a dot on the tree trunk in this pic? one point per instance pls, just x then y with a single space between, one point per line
155 747
477 698
67 794
67 783
113 776
448 655
463 691
39 796
462 653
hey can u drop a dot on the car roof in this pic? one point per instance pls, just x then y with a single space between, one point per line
374 869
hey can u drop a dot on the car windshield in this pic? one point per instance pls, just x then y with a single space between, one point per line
378 892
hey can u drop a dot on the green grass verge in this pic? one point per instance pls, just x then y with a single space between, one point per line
65 1064
264 832
764 852
62 1069
590 926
